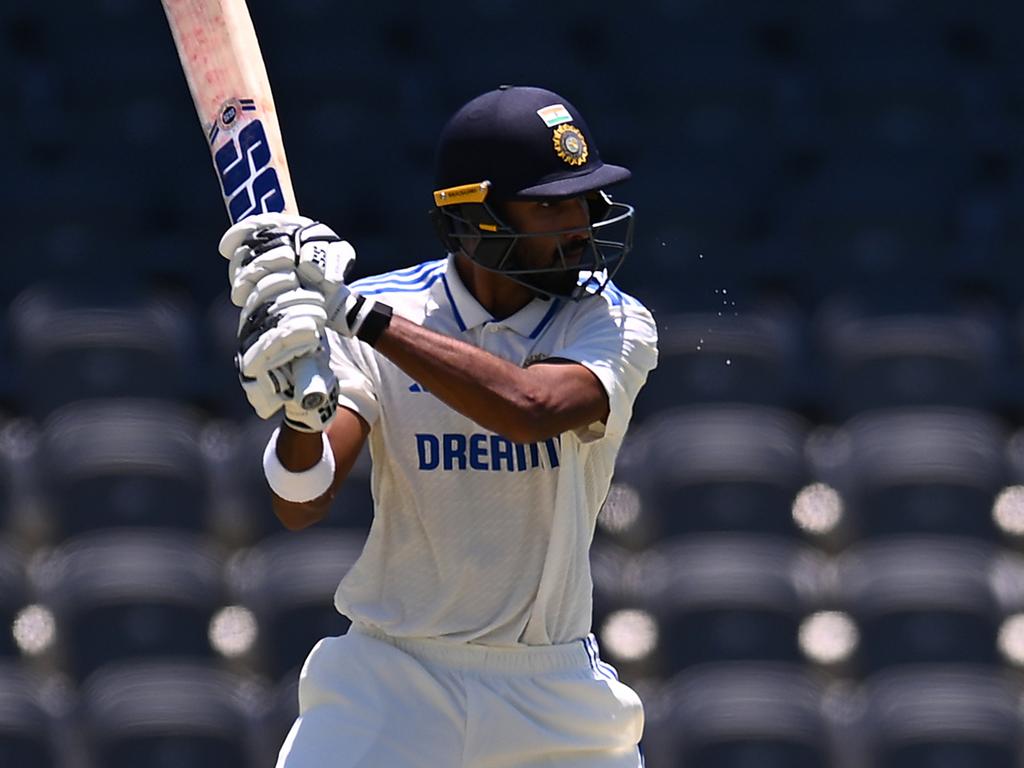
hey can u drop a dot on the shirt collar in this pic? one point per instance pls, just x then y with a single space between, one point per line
528 321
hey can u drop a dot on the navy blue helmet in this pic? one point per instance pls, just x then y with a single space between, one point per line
522 143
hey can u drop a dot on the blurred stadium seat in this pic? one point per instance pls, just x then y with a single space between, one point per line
954 716
920 599
220 345
919 470
130 593
1014 375
627 631
73 345
21 509
725 467
288 582
893 360
30 721
283 708
723 356
712 597
7 470
8 370
122 462
171 714
740 715
14 594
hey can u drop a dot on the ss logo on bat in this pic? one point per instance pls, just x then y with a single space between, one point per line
249 182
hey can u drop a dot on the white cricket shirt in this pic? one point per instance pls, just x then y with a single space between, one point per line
476 538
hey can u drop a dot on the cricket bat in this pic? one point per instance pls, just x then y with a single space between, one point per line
224 68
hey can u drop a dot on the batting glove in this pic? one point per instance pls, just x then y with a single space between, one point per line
269 252
275 333
322 262
308 252
274 390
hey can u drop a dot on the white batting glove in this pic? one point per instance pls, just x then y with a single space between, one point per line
284 244
275 390
274 334
323 260
268 255
249 261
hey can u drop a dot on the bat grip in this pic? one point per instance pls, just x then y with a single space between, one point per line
310 383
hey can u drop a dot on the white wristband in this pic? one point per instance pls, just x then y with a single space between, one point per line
298 486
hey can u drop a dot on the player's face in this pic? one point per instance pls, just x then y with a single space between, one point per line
538 216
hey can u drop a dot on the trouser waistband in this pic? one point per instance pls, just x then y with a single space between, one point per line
524 659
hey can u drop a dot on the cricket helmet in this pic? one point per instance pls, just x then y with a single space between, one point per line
523 143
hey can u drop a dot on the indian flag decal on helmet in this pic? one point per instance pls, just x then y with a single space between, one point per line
554 115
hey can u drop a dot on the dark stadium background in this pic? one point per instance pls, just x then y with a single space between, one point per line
812 554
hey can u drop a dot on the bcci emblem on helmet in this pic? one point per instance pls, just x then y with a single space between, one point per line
570 145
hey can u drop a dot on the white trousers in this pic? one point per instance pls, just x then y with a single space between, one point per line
369 700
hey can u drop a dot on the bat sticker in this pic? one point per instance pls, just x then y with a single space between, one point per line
248 182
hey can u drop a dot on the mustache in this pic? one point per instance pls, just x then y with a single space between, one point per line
575 247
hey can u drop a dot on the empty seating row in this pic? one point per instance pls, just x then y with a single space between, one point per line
717 716
847 358
733 597
719 467
128 593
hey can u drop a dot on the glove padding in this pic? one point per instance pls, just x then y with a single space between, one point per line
270 392
284 244
275 333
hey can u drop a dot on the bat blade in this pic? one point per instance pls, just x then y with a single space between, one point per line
224 67
221 58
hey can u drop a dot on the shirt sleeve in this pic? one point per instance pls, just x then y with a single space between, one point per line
620 346
357 376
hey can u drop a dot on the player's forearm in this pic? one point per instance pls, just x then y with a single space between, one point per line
495 393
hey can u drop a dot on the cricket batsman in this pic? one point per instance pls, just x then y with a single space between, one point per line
494 387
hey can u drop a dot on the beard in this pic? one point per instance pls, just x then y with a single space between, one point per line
559 281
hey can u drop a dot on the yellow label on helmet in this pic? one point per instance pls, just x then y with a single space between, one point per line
466 193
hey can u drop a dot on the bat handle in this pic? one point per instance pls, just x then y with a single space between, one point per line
310 383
